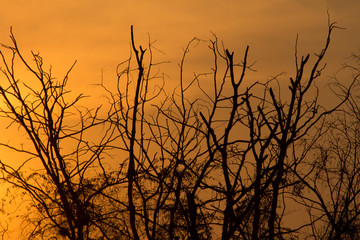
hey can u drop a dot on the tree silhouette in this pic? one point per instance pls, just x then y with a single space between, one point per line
331 175
64 189
218 157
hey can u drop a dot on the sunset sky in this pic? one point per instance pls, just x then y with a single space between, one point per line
97 33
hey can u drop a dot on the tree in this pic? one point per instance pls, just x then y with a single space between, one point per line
70 178
203 161
331 177
272 125
184 143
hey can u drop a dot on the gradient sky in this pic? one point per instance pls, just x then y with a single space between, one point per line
96 32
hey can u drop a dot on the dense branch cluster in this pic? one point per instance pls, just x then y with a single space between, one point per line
218 157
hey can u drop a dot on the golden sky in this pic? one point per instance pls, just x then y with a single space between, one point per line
97 32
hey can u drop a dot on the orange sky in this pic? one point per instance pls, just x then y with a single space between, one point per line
96 33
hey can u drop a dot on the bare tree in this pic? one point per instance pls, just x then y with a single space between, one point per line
248 143
330 191
64 174
202 161
213 163
158 138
